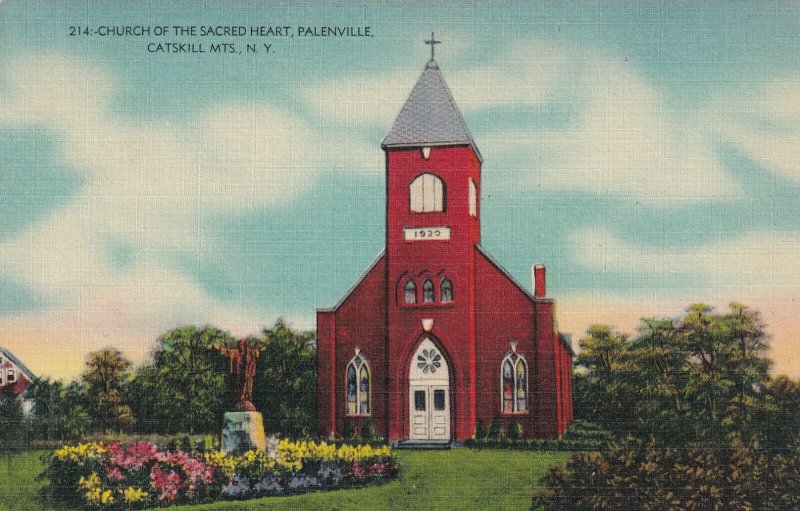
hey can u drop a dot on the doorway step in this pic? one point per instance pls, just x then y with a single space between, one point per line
424 444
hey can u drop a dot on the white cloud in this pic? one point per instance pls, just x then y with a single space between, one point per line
761 259
624 139
149 184
765 124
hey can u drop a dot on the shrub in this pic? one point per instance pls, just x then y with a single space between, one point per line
496 430
480 431
368 433
696 477
515 431
349 432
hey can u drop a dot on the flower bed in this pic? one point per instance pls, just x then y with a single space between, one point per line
139 475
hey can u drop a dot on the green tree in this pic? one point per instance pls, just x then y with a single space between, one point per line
285 388
184 388
105 377
11 423
60 412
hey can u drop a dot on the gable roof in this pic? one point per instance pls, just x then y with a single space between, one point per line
17 362
429 116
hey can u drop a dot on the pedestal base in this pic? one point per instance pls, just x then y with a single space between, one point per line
243 431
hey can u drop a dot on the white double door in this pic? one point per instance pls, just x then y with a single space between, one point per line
429 394
430 412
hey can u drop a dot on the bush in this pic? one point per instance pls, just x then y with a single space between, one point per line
496 431
480 431
696 477
349 431
515 431
368 434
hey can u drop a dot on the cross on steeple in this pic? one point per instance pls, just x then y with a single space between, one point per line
432 41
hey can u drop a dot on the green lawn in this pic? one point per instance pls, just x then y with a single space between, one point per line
429 480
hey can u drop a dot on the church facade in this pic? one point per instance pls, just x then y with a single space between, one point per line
436 336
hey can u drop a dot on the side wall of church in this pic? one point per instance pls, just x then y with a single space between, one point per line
358 322
503 314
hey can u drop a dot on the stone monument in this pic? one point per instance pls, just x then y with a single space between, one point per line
243 428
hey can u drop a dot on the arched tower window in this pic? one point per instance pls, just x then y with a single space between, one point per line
410 292
473 199
446 291
514 383
426 194
358 386
427 291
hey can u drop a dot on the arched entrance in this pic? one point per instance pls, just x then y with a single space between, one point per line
429 394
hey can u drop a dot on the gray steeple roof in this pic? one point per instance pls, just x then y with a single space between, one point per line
430 116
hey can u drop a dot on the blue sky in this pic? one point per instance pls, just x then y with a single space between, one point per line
645 152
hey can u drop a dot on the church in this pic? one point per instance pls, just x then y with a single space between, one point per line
436 337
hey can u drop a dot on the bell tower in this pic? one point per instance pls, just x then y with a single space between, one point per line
433 173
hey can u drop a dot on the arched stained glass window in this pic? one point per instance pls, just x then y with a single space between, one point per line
426 194
446 291
427 291
410 292
514 383
358 386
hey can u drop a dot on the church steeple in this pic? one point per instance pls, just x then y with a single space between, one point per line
429 117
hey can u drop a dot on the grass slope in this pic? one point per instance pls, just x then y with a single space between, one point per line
429 480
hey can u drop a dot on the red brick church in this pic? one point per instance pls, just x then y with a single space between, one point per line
437 336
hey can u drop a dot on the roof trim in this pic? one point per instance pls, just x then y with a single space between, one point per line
355 286
436 144
17 362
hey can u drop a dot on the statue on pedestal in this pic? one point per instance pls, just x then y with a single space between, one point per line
243 427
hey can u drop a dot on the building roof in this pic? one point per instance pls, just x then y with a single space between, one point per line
429 116
14 360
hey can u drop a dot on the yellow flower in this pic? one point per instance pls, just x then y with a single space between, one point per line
132 495
107 497
89 483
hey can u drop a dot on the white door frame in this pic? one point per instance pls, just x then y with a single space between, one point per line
429 394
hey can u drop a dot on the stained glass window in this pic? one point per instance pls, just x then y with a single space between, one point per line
427 291
514 382
358 386
410 292
446 291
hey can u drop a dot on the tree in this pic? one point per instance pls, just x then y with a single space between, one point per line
11 417
60 412
105 376
184 389
285 385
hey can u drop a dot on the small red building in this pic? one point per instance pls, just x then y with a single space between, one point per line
15 377
436 335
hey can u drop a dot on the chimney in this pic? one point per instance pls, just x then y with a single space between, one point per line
539 281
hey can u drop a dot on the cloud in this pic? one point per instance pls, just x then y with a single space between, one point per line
150 186
761 259
624 140
764 124
758 269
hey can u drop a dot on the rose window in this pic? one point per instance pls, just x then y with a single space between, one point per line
429 361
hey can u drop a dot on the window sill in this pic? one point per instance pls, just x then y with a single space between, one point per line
432 305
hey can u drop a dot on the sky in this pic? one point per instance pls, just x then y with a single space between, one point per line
646 152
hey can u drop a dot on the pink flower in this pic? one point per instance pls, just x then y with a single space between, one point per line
115 474
167 484
358 471
135 456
